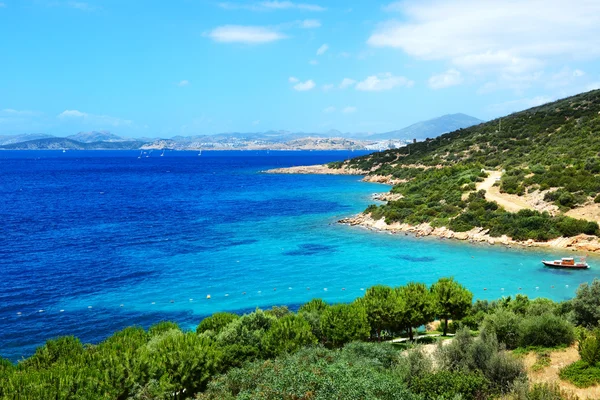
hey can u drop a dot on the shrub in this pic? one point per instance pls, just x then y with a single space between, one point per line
345 323
505 325
581 374
589 348
443 385
312 373
542 306
413 364
216 322
503 370
382 355
546 331
162 327
586 304
287 335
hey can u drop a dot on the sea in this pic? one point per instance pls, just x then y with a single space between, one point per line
94 241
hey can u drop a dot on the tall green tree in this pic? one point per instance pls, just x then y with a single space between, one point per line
586 304
452 300
312 313
344 323
216 322
419 306
382 307
287 335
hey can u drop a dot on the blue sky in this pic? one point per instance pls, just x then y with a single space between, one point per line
188 67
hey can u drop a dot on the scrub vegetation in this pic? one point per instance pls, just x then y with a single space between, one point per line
552 149
328 351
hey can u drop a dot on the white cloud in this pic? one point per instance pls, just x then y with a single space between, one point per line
329 110
13 112
346 82
256 122
328 86
79 5
592 86
245 34
271 5
321 50
293 79
310 24
92 118
385 81
449 78
349 110
313 62
519 104
509 36
565 77
285 5
304 86
72 114
184 82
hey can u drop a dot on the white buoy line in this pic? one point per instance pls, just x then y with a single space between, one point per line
259 292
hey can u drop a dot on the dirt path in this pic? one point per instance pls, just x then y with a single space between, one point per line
549 374
509 202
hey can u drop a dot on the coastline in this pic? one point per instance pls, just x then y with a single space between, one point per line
582 242
321 169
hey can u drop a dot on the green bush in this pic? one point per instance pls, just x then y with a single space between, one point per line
581 374
505 325
443 385
216 322
546 330
344 323
586 304
314 373
503 370
589 347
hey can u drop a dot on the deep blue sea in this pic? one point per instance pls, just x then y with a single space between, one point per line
101 240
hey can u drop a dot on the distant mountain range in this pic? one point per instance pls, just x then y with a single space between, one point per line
431 128
276 140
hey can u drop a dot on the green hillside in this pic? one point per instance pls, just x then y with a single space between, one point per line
553 148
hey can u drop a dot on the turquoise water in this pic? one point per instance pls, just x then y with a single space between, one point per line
113 240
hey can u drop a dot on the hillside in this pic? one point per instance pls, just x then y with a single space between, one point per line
55 143
95 136
10 139
431 128
547 157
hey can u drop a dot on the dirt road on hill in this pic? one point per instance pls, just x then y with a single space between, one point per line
509 202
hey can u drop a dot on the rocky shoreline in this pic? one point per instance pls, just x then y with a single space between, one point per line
325 170
584 243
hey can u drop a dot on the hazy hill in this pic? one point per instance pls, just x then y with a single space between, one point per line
96 136
55 143
431 128
10 139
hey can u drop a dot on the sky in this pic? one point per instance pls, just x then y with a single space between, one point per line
155 68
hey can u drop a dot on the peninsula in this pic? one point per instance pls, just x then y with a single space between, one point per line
531 178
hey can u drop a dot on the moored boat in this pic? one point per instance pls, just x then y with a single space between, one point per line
567 262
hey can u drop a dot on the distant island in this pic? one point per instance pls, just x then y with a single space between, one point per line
270 140
531 178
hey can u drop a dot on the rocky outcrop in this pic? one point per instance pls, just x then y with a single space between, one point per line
582 243
316 170
387 196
